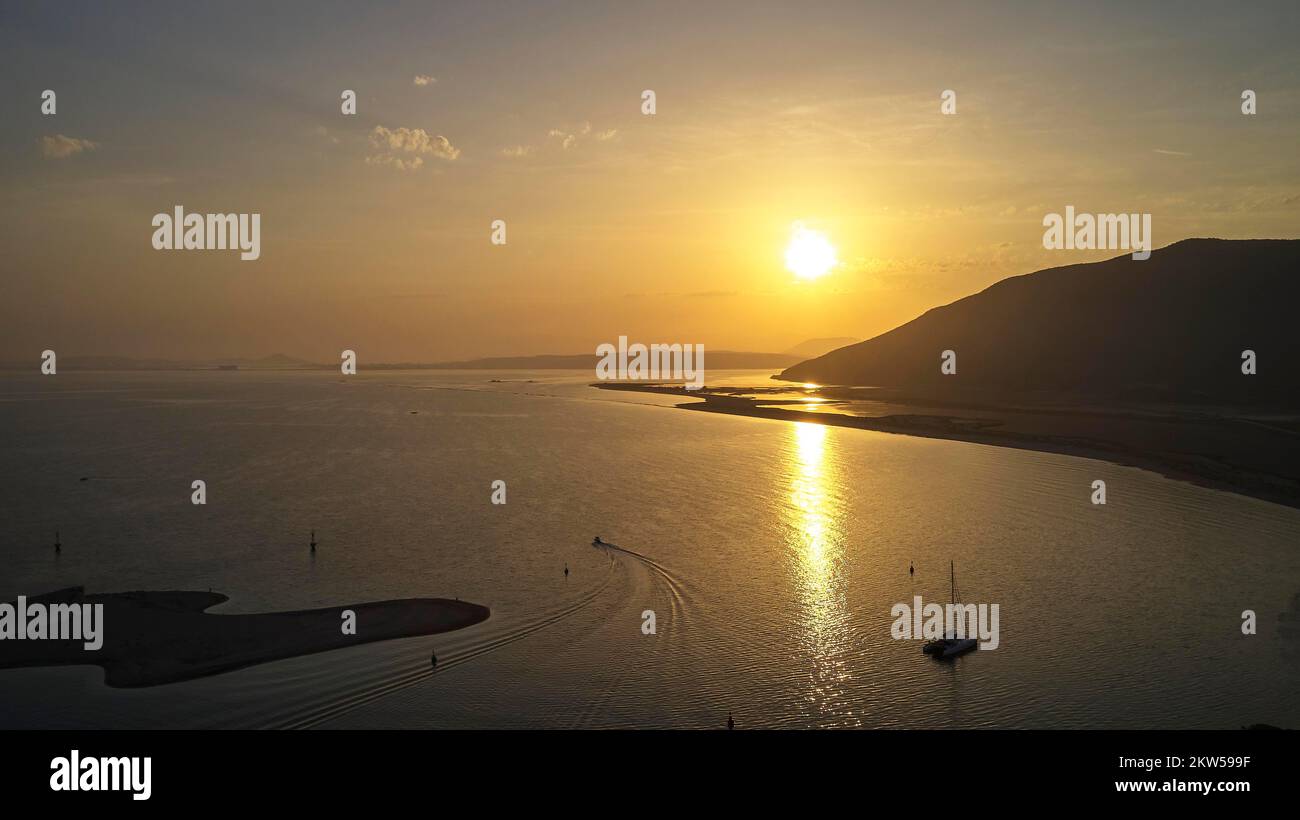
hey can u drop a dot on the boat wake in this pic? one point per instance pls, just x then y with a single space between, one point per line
461 648
677 594
646 576
417 671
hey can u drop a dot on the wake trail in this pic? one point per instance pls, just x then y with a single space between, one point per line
417 672
677 595
654 572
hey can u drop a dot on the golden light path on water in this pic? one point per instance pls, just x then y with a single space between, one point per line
817 548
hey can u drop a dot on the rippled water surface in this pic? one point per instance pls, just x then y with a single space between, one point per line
771 554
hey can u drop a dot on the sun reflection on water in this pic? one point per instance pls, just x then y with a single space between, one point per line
816 545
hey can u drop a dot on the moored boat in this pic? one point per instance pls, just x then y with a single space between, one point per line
950 646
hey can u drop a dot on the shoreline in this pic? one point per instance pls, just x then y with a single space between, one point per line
994 426
153 638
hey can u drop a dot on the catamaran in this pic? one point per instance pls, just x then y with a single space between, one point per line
950 646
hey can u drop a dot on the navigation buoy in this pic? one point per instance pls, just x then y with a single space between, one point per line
433 659
313 540
58 545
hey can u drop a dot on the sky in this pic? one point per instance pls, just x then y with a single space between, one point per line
670 228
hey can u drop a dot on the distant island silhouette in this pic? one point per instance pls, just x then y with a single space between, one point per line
715 359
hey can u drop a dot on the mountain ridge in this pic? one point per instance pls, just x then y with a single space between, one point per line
1170 327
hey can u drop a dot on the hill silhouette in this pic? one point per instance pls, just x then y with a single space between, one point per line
1171 328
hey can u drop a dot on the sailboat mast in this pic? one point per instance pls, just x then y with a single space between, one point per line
952 580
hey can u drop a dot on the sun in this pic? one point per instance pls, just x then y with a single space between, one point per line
810 255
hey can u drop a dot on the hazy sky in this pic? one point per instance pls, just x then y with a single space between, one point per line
663 228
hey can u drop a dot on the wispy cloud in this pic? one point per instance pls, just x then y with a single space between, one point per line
395 162
570 137
566 139
517 151
424 79
405 148
61 147
1172 153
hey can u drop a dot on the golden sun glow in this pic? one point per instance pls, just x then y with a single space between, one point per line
810 255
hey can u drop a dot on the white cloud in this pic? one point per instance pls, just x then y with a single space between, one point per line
61 147
605 136
517 151
403 148
424 79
